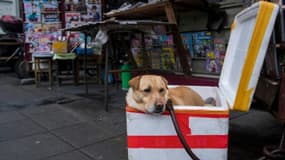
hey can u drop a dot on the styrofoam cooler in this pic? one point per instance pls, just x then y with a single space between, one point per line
153 137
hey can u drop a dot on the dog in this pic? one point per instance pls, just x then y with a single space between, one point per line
149 94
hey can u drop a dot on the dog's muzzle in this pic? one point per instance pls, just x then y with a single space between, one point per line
159 108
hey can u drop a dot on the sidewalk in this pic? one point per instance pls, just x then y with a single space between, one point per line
65 124
34 126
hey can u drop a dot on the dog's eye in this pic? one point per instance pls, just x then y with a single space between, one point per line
147 90
161 90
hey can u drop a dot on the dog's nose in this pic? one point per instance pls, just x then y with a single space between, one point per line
159 108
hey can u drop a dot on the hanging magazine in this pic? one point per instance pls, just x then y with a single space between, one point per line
202 42
32 11
72 19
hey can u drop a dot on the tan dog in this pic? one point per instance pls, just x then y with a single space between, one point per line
149 93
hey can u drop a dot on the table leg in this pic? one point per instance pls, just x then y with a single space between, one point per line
76 70
36 71
50 73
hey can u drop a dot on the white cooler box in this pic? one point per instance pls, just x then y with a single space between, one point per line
153 137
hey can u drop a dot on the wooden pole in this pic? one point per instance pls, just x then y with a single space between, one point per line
183 54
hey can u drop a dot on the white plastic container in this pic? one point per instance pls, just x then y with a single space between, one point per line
206 128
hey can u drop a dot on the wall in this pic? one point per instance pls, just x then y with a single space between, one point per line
9 7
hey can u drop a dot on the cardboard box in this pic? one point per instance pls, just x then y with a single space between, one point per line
153 137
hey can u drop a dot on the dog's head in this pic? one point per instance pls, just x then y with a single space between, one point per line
149 93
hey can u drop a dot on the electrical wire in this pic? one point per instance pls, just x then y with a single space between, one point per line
187 148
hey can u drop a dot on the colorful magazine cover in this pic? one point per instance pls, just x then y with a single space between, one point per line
32 11
72 19
49 5
31 37
45 42
73 40
84 18
220 47
52 27
213 62
32 27
167 58
33 40
94 12
50 18
167 40
202 43
41 42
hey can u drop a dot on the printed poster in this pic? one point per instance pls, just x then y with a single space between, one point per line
167 59
32 11
72 19
202 42
213 63
94 12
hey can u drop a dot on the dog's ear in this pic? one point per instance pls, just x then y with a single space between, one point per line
134 82
165 82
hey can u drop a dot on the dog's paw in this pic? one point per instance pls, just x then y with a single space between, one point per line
210 101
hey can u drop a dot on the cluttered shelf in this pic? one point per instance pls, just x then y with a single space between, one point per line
153 9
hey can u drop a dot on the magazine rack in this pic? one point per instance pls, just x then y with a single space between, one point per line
166 8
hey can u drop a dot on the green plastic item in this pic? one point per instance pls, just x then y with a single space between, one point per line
125 76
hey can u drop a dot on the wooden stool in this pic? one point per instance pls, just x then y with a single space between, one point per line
65 66
43 58
92 62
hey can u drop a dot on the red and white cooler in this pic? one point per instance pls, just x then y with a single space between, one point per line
205 128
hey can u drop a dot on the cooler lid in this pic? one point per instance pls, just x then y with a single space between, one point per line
249 39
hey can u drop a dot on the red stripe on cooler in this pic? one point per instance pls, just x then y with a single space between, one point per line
161 125
189 112
176 153
193 115
197 141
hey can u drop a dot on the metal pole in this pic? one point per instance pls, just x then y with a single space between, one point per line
106 78
282 22
85 64
276 65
